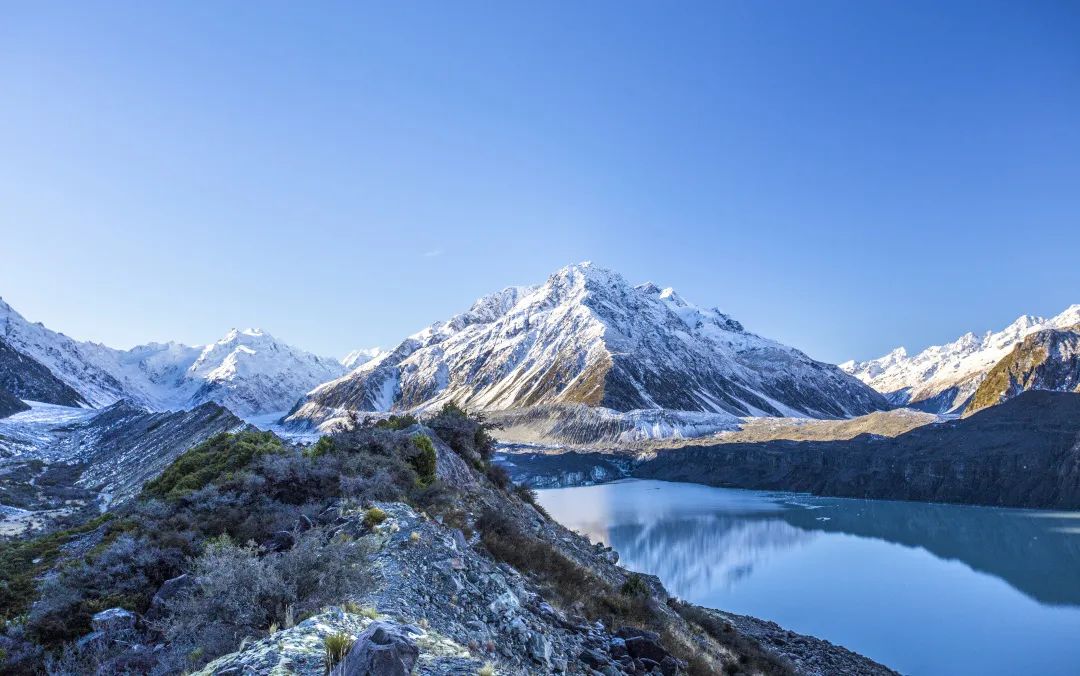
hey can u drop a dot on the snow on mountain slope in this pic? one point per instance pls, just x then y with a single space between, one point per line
247 371
72 362
586 336
360 357
942 378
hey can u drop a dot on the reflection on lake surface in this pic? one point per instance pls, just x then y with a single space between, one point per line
923 588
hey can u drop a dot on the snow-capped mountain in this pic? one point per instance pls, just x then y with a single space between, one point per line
586 336
249 371
942 378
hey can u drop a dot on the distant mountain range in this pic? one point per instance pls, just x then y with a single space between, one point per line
249 372
943 378
585 352
588 337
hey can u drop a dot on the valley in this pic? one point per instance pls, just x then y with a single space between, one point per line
601 391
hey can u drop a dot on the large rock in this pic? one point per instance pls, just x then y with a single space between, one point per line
113 620
281 541
168 589
383 649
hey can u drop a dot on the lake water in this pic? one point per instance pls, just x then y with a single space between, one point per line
922 588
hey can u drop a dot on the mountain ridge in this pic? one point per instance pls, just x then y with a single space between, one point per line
1045 360
248 371
942 378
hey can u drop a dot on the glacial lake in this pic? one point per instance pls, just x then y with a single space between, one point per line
923 588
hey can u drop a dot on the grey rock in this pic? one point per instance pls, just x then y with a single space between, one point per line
167 590
539 648
113 620
281 541
383 649
594 658
617 647
644 648
459 539
506 603
669 665
635 632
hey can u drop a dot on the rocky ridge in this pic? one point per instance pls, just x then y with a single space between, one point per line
1045 360
437 589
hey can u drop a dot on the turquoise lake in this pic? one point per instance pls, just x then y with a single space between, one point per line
922 588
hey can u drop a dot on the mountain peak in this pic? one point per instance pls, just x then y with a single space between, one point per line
587 337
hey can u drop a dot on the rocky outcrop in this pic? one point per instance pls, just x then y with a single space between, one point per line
435 588
1023 453
1047 360
383 649
10 404
26 378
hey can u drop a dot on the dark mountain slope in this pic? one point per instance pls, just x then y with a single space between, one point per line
10 404
27 378
1023 453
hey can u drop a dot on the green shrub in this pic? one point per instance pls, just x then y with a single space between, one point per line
321 447
635 585
466 434
373 517
425 460
21 562
396 422
210 461
336 647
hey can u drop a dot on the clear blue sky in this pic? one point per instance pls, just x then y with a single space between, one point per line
842 176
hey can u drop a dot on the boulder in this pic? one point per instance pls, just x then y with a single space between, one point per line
505 603
539 648
383 649
644 648
617 647
594 658
168 589
281 541
113 620
670 666
635 632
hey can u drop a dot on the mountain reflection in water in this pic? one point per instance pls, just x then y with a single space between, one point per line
980 590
